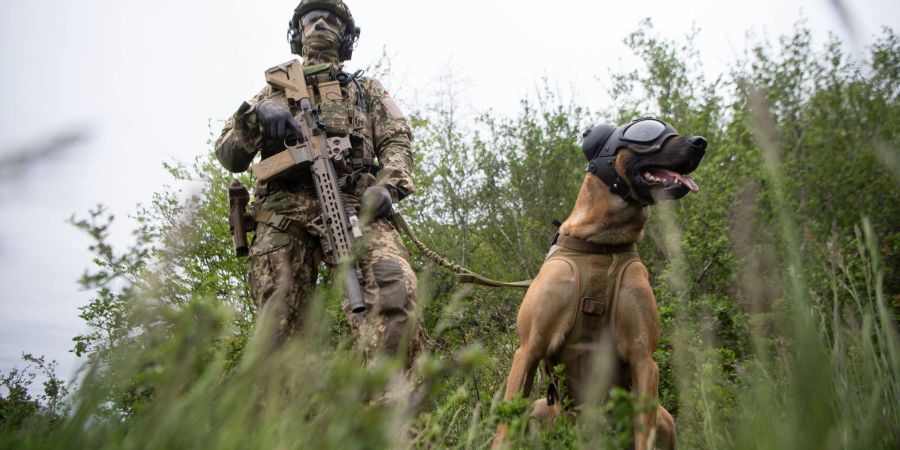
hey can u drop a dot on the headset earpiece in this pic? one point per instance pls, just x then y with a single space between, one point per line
293 37
348 43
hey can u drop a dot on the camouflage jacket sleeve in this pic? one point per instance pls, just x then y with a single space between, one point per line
240 138
392 139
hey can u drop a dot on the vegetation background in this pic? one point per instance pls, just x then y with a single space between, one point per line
778 284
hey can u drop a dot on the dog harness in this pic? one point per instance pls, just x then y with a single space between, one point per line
599 270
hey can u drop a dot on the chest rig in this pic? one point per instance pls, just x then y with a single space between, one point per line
339 102
343 110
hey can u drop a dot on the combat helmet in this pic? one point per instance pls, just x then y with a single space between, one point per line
351 31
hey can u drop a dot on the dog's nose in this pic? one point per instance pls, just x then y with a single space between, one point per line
698 141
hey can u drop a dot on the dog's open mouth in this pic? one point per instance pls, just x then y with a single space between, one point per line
668 178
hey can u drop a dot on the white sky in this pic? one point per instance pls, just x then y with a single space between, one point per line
144 79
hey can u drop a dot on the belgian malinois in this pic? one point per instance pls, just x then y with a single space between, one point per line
591 307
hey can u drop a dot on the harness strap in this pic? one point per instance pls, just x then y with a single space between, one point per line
583 246
553 385
617 288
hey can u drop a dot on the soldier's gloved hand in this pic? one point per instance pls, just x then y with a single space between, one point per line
377 201
276 121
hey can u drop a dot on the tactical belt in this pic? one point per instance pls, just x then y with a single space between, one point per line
282 223
583 246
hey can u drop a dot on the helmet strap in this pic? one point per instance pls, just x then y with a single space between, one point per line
604 168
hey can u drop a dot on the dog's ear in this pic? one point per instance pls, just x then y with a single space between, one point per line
594 139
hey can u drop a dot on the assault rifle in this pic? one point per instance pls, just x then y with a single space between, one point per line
338 226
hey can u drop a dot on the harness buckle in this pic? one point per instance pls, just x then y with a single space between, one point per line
279 221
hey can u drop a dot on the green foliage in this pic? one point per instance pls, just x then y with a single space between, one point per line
181 253
720 260
777 285
21 412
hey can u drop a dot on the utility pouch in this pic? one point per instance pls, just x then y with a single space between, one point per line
330 92
357 118
593 312
238 220
332 109
334 116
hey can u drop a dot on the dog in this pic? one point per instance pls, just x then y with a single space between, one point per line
591 306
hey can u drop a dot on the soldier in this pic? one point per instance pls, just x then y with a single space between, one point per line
285 255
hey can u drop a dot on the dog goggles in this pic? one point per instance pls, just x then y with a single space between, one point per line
603 142
647 135
314 15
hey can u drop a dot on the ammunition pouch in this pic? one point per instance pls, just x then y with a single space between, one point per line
339 115
343 119
334 116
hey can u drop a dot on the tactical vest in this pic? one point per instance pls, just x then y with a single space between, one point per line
599 279
342 108
341 101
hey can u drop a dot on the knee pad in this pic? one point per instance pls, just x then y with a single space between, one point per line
393 294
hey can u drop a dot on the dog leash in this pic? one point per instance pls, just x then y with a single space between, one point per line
464 275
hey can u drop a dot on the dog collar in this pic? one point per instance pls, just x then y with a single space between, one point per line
580 245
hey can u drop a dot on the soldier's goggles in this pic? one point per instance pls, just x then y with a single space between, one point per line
314 16
647 135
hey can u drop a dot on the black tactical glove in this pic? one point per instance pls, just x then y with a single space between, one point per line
377 201
276 121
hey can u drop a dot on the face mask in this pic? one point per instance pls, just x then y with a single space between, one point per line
321 37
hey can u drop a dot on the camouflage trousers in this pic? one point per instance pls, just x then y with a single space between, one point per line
284 268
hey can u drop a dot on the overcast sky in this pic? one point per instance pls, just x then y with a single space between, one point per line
141 81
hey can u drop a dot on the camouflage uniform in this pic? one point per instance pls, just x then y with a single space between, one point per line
283 264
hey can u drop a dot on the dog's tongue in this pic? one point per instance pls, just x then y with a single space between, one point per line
687 182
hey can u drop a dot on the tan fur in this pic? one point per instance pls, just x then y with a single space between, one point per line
548 311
